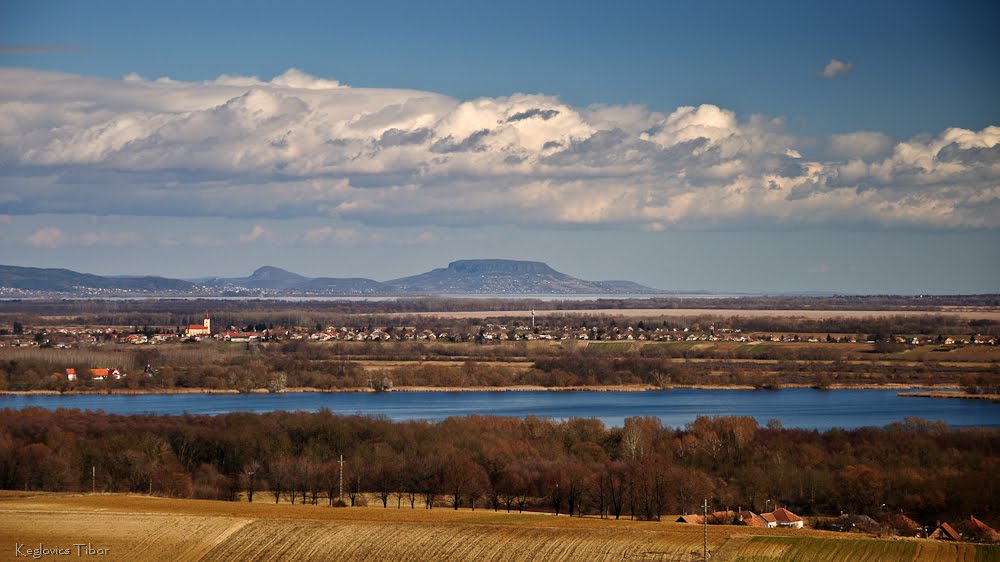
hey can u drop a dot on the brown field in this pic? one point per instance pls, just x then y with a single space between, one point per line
144 528
978 313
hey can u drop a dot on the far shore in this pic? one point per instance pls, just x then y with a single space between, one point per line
952 394
930 391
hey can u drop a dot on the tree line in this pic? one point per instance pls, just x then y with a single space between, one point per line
577 467
271 312
343 365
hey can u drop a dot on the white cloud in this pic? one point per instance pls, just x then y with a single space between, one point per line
47 237
819 268
298 146
295 78
256 233
836 68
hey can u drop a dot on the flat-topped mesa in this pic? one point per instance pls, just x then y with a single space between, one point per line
499 266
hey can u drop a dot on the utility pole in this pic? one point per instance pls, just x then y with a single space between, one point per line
341 485
704 522
93 479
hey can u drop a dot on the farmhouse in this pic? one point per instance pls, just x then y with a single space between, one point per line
778 518
105 374
857 523
781 517
750 519
975 530
945 532
903 525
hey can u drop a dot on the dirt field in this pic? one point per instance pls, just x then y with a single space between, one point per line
142 528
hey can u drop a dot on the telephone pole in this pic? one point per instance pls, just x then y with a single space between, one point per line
341 485
93 479
704 522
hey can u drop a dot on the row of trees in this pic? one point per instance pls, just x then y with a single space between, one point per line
578 466
276 370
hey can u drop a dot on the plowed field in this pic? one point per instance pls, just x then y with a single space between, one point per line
143 528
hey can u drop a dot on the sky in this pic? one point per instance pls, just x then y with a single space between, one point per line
722 146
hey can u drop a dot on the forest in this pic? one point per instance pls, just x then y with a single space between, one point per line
578 467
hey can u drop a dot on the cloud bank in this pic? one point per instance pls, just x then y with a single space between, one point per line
303 146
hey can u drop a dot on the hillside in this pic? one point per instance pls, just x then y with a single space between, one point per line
495 276
65 280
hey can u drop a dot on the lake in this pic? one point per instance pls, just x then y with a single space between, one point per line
802 408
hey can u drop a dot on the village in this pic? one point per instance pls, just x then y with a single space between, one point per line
891 524
436 330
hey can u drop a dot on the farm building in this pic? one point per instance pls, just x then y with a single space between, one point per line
903 525
945 532
973 529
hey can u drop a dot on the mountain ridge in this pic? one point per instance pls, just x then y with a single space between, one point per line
470 276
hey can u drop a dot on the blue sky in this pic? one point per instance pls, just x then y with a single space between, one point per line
920 66
844 147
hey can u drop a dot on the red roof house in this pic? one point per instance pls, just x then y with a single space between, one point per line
784 518
975 530
945 532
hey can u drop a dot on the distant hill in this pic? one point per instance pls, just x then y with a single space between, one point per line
494 276
68 281
277 279
267 277
489 276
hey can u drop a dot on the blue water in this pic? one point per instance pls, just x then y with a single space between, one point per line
802 408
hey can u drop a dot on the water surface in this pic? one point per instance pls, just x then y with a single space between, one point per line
802 408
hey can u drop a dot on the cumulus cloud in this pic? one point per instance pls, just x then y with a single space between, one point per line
256 233
301 146
836 68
